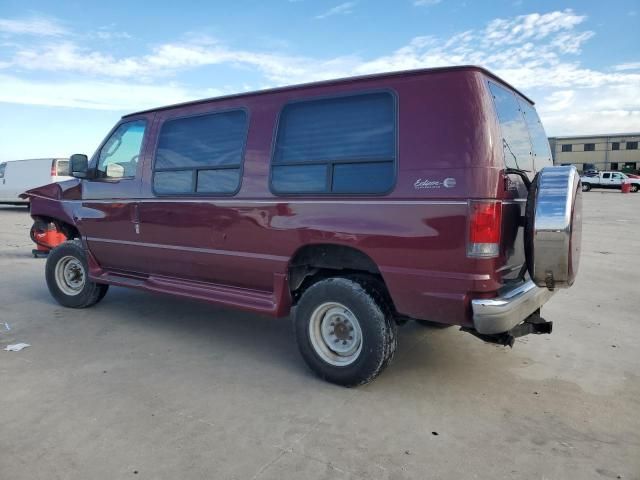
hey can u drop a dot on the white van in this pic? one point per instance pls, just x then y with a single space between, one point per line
17 176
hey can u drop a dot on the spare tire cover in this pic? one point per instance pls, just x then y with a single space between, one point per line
553 227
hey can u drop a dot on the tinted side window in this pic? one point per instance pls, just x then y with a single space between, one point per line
119 156
539 140
340 145
515 135
201 154
3 166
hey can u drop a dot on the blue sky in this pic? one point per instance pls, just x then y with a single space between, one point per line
69 70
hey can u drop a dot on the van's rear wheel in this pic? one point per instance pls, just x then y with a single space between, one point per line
344 331
67 277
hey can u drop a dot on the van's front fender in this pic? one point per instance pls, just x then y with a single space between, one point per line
56 201
67 190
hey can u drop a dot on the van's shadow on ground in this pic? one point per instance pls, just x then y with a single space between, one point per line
190 325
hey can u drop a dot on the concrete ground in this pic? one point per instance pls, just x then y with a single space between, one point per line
145 386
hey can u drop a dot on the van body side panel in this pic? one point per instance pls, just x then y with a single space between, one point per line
416 234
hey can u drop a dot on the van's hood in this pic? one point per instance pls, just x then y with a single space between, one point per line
67 190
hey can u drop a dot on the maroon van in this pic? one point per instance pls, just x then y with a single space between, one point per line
357 204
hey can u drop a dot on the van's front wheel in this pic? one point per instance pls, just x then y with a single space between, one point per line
67 277
344 332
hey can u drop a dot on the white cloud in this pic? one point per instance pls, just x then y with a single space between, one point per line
105 33
559 101
97 95
343 9
425 3
169 58
627 66
538 53
530 27
39 26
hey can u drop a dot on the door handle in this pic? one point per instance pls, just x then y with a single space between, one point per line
135 217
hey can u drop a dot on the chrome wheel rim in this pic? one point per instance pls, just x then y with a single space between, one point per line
70 275
335 334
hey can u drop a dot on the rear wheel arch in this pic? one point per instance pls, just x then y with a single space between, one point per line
314 262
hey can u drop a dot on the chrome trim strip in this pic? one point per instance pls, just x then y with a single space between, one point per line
259 256
501 314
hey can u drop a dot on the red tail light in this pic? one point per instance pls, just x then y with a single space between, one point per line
53 168
485 226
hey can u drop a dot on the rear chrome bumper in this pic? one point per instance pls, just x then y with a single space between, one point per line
501 314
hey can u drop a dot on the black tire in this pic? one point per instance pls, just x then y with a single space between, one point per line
430 324
586 187
634 187
378 330
88 294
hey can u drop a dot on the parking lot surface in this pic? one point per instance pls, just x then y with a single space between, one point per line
145 386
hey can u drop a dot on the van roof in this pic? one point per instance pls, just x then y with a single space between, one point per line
33 159
338 81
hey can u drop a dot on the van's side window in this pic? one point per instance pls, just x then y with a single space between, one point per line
2 167
201 154
539 140
336 145
119 156
515 135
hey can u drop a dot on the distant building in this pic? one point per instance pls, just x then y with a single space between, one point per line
601 152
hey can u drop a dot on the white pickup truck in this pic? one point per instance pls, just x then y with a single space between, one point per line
608 180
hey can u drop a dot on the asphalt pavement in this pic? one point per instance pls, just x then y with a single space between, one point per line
156 387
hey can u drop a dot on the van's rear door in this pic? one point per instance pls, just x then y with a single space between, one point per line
525 147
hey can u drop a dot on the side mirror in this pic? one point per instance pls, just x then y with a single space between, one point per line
79 165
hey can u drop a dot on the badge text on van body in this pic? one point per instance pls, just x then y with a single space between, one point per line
421 184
